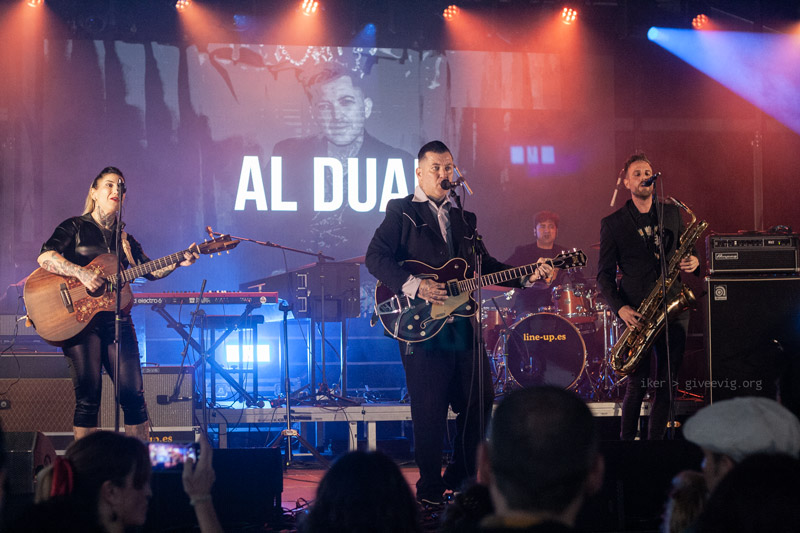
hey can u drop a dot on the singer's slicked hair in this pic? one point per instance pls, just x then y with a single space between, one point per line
88 204
637 156
437 147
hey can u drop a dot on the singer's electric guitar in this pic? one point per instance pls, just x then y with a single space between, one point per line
415 320
60 307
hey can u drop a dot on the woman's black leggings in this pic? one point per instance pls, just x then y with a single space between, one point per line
94 349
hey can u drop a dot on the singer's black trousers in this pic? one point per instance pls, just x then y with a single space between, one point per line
643 379
440 372
94 349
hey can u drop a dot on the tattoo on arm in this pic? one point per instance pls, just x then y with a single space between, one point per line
56 264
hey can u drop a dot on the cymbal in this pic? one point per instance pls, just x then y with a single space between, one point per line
596 246
360 259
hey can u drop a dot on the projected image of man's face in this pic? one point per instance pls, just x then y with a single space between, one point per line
340 110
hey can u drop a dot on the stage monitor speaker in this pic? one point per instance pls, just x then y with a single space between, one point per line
753 334
246 493
28 453
34 404
159 384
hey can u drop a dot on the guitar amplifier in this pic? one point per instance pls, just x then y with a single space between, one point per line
752 253
159 384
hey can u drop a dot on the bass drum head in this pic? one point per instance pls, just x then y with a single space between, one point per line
545 348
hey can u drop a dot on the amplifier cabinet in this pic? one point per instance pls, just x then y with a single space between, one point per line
37 404
159 384
753 334
752 254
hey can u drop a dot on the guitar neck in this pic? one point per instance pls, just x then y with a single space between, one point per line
496 278
151 266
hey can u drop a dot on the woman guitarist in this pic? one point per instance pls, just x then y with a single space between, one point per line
73 245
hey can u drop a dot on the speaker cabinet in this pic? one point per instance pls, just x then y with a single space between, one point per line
753 334
28 453
159 384
33 404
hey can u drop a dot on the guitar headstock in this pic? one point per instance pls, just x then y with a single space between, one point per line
573 259
217 245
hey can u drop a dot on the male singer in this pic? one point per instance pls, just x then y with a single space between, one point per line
630 240
442 370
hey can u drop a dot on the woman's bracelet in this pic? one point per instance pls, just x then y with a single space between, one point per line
194 500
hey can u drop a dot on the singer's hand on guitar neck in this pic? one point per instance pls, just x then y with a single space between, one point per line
431 291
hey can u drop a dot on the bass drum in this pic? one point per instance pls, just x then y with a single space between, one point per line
543 348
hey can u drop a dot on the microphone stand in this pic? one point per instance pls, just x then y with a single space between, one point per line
478 250
117 287
665 310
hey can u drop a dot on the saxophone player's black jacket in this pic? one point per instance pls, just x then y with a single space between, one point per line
625 244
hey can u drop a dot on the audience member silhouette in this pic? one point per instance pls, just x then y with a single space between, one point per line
362 493
541 461
102 484
685 502
730 430
760 494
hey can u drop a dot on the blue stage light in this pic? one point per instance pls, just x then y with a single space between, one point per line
759 67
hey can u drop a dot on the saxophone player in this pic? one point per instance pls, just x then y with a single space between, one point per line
630 241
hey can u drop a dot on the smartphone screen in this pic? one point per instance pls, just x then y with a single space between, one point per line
170 455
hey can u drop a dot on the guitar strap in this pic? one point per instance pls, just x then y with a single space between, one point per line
126 247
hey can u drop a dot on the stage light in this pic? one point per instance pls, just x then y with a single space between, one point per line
450 12
309 7
34 3
699 22
569 15
183 5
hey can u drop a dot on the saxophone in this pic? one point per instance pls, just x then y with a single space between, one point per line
634 343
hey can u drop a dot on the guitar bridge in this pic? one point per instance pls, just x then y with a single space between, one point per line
66 299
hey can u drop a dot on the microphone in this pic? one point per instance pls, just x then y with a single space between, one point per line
447 185
651 180
121 186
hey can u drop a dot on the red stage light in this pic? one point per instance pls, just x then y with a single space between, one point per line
450 12
183 5
309 7
699 22
35 3
569 15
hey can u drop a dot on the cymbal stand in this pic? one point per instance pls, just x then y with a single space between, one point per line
607 379
289 433
504 382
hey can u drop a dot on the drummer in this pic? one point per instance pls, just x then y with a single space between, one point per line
539 297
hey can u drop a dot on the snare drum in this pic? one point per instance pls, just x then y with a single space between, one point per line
543 349
493 321
574 302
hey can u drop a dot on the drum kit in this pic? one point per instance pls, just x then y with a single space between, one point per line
567 344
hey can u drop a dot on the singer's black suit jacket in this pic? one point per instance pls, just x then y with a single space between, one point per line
410 231
622 246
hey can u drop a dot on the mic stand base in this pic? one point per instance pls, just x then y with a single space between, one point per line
288 435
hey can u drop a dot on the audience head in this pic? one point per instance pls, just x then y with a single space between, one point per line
107 471
363 492
542 453
759 494
730 430
685 502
